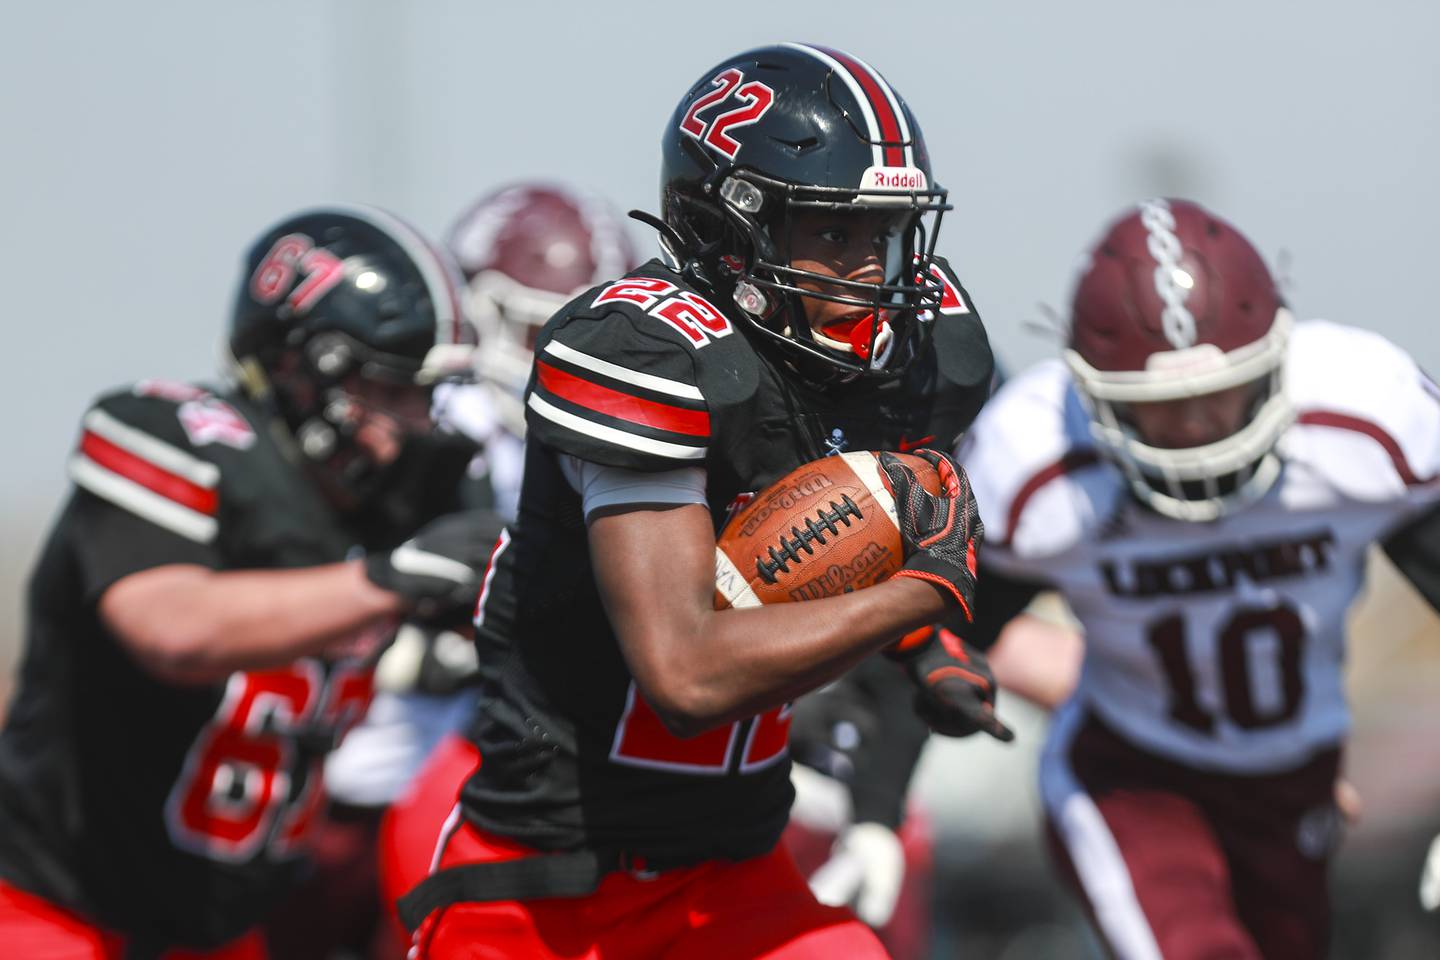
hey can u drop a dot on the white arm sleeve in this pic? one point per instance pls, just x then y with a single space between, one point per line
601 486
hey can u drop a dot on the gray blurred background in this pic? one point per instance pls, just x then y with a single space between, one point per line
146 143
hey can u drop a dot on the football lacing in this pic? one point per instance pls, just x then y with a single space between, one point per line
788 551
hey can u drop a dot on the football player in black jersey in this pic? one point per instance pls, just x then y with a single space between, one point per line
634 777
202 622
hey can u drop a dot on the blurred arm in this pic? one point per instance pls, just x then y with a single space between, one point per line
1038 659
190 624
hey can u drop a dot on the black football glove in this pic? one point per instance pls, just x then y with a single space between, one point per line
438 570
941 534
954 688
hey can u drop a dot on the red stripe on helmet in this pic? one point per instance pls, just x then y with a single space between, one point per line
879 105
648 413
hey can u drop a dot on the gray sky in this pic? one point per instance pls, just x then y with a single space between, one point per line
146 143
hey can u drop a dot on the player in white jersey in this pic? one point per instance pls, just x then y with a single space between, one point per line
1200 476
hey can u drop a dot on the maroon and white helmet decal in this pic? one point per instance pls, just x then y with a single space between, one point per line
1174 302
1166 277
526 250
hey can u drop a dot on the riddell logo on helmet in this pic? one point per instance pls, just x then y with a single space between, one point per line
893 178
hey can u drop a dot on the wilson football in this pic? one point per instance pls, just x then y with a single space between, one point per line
825 528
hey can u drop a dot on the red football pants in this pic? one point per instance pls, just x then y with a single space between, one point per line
1192 865
907 935
38 930
759 908
412 827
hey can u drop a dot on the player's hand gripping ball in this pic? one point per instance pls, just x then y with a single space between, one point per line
827 527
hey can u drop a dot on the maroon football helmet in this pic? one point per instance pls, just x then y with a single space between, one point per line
1172 303
526 250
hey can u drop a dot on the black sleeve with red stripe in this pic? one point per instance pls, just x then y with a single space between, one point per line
145 497
608 392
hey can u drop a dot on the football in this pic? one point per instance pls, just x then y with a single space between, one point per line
825 528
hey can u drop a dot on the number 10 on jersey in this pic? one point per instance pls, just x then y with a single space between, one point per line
1240 645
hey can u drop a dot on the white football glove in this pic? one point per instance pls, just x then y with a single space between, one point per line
1430 878
865 870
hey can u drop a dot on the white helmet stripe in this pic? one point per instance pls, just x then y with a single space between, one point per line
894 106
1172 284
872 126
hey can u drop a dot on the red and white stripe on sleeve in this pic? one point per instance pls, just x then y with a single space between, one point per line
153 479
604 404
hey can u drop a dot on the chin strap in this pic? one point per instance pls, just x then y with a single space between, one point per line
668 234
683 257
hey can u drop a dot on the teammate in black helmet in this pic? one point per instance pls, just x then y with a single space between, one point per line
634 772
202 620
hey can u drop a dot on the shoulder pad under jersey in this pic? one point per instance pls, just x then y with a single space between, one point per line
1367 417
1038 480
962 348
149 450
631 373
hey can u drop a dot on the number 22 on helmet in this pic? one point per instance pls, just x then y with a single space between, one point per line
787 156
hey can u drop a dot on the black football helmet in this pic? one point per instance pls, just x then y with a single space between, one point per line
794 126
338 293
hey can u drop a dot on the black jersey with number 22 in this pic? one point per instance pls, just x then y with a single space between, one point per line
648 374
